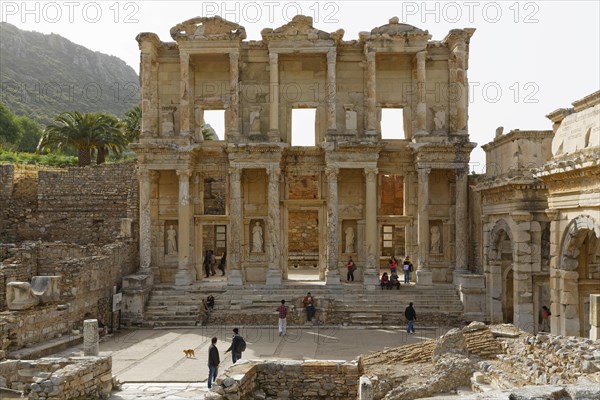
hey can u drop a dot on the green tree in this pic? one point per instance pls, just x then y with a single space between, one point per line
86 133
31 134
131 124
10 132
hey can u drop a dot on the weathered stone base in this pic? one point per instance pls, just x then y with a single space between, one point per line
424 278
183 277
332 278
234 278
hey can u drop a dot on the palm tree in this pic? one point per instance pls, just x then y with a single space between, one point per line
85 133
131 124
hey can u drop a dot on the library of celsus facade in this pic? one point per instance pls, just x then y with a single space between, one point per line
273 206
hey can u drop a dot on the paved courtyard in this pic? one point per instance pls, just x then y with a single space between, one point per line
151 363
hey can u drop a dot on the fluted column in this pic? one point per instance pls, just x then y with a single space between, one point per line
274 95
421 93
234 87
371 94
235 228
332 274
185 95
331 92
183 276
145 221
273 250
423 273
372 240
461 223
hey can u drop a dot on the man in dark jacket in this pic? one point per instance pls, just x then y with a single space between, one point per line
411 316
236 347
213 362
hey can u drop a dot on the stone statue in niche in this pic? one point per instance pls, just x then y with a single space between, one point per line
436 239
351 119
439 119
255 120
257 238
349 240
199 122
168 120
171 241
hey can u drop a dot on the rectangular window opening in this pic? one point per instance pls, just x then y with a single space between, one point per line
214 125
303 126
392 123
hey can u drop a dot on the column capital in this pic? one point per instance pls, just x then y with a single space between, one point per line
332 173
184 173
421 56
423 172
274 172
370 54
234 56
370 173
462 172
235 173
273 57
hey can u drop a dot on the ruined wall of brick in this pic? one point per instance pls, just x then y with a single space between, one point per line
64 379
290 379
88 274
7 172
89 201
303 234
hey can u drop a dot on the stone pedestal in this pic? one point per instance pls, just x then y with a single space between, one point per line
332 278
136 292
234 278
91 346
19 296
594 316
424 277
273 277
472 295
371 280
46 288
183 277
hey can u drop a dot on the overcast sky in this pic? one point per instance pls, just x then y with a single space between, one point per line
527 58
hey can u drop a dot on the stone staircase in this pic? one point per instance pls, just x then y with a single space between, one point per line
348 304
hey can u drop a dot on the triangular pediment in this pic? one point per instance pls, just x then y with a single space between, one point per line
208 28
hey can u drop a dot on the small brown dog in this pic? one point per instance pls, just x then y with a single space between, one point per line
189 353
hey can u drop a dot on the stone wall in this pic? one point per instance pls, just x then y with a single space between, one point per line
289 379
60 379
91 201
88 274
7 174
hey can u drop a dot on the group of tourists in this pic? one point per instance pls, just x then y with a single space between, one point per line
237 347
393 280
210 263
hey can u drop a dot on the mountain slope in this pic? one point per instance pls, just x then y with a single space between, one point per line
43 75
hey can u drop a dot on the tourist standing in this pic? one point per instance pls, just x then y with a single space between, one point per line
213 362
206 264
282 310
238 345
222 263
545 319
213 263
392 264
407 268
351 268
411 316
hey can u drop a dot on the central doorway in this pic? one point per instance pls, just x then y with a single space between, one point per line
303 245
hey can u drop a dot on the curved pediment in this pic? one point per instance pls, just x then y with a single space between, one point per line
301 27
208 28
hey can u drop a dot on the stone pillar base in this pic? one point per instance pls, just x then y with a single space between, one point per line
234 278
183 278
456 276
472 295
371 280
424 278
273 277
332 278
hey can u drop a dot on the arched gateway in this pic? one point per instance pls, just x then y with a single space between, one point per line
276 208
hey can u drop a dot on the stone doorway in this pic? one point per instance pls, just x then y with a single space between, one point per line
303 245
508 298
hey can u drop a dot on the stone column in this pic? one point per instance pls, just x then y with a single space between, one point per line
522 280
234 277
424 275
273 243
145 221
594 316
332 274
274 96
460 54
185 95
149 126
91 338
234 87
421 94
371 275
331 92
371 93
183 276
461 224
